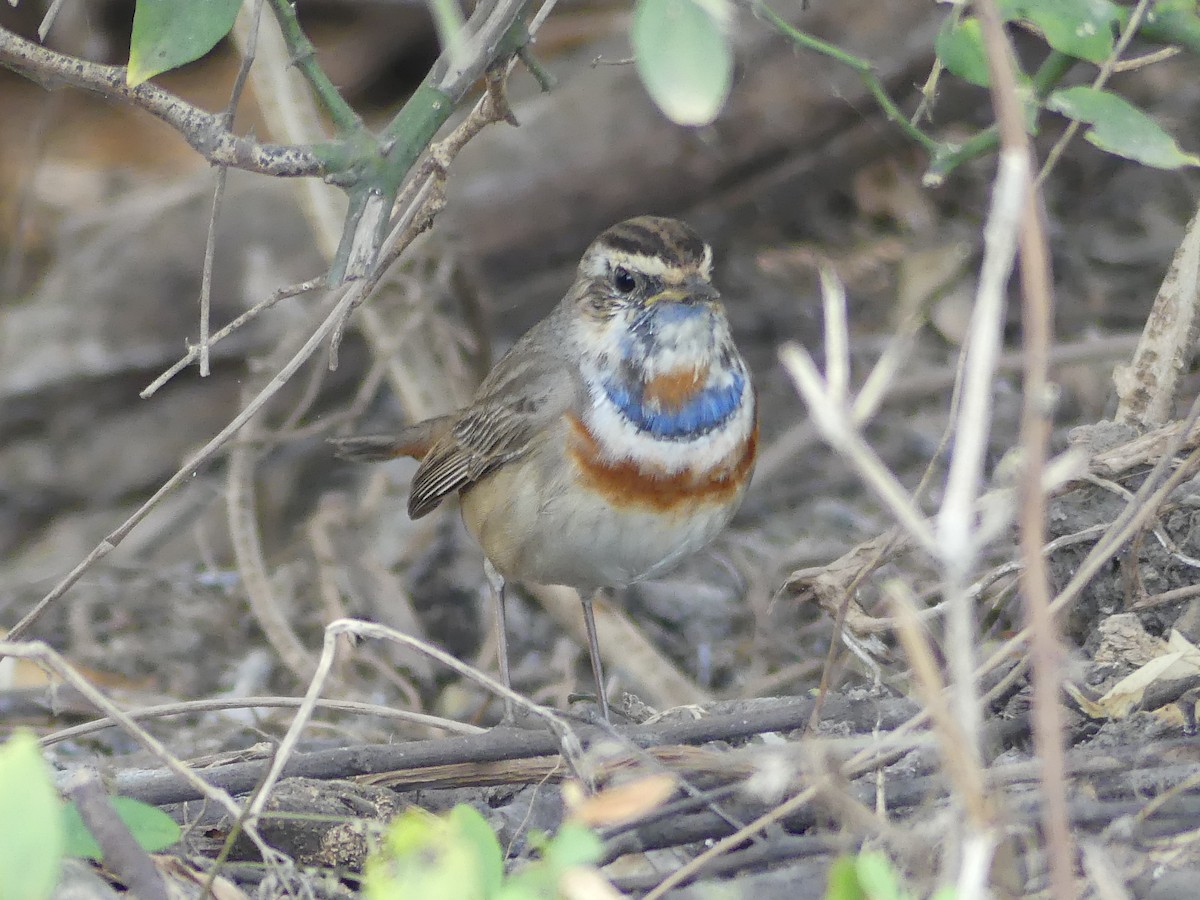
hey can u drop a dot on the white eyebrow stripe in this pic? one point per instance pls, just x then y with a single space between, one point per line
654 266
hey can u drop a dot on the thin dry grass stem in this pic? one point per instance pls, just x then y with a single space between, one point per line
222 176
780 453
829 407
726 844
960 538
1037 307
262 306
1148 59
956 532
242 518
959 750
1099 868
51 659
1166 797
1111 65
1157 528
193 707
1163 598
571 748
325 558
882 377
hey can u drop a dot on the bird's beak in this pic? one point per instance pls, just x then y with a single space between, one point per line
694 290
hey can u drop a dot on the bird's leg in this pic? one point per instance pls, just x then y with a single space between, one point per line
496 582
589 620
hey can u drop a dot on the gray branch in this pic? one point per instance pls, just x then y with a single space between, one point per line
204 131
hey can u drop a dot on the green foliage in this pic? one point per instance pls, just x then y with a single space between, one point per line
870 875
457 857
1081 30
684 57
31 851
959 46
1085 29
152 828
1120 127
169 33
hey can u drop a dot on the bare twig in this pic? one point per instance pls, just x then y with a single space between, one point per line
242 518
829 405
50 658
1037 318
570 744
959 537
210 245
122 853
192 707
282 293
202 130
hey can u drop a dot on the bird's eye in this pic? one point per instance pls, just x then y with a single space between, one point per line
623 281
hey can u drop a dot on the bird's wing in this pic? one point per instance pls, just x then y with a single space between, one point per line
525 395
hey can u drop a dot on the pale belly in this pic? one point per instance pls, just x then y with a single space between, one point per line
533 528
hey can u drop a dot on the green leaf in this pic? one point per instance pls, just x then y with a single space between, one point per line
1084 29
169 33
574 845
434 858
959 45
1120 128
683 55
877 876
1173 22
487 851
152 828
31 850
843 881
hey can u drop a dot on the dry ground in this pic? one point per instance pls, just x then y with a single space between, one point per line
223 592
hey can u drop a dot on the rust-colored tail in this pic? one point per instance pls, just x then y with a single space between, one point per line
412 441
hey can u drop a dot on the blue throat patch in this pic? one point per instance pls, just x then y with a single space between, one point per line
709 409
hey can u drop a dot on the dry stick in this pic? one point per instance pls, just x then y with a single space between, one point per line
242 518
1037 308
959 538
571 748
202 130
411 222
262 306
123 855
49 657
958 749
694 865
199 459
210 245
829 413
1147 59
191 707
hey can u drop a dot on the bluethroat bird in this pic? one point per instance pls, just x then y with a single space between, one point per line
613 440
